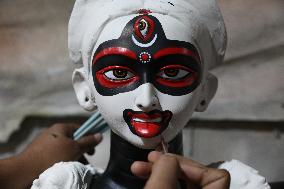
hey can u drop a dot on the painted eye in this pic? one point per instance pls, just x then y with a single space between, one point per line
118 74
143 27
116 77
173 73
176 76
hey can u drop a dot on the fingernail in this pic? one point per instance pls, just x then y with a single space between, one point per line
154 155
98 137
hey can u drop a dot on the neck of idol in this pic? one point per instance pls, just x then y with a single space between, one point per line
122 155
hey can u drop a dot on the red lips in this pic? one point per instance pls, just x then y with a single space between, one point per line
147 125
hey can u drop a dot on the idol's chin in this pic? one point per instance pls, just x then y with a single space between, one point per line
143 143
148 143
139 142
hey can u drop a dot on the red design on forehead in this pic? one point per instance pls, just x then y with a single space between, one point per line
144 28
115 51
177 50
144 11
145 57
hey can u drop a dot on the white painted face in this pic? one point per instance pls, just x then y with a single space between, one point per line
148 78
143 99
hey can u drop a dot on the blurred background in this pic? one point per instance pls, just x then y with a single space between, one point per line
245 120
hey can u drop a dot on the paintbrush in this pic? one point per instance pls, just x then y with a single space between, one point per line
95 124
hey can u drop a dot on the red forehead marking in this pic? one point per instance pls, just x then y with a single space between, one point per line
144 28
145 57
177 50
144 11
115 51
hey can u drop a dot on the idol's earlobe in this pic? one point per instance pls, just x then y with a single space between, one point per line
83 90
209 89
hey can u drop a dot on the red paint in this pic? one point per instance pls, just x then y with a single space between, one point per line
144 11
177 50
150 29
146 116
183 82
115 51
109 83
145 57
186 82
177 66
146 130
149 129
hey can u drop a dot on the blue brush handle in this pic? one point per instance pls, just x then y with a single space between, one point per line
88 122
94 124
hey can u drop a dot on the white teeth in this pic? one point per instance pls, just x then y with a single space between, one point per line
157 120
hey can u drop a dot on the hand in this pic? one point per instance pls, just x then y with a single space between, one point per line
53 145
56 144
165 170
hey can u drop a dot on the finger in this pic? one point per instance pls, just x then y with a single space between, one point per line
87 143
197 173
141 169
206 178
154 155
83 160
64 129
69 129
164 174
214 178
91 152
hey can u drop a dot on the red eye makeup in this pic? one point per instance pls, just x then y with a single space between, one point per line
176 76
116 76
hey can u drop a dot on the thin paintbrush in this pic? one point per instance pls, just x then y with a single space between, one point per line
94 124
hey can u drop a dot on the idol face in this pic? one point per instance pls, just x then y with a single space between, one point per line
145 85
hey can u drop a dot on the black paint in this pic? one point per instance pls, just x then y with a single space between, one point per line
118 174
146 71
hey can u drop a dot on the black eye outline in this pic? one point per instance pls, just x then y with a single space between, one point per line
183 72
108 73
118 74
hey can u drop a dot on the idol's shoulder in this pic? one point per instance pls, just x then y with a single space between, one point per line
74 175
66 175
244 176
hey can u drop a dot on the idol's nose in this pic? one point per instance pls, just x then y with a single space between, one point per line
147 100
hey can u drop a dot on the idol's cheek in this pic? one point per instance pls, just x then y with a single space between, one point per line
182 108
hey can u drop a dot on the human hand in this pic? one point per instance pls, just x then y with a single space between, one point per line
165 170
56 144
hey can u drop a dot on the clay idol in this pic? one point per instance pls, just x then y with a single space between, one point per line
144 65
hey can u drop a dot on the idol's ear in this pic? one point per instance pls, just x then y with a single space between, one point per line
209 89
83 90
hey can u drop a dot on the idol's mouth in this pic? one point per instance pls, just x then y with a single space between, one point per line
147 125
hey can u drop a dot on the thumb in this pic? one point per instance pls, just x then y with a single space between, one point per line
88 142
164 174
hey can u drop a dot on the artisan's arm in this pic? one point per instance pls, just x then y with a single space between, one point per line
16 173
53 145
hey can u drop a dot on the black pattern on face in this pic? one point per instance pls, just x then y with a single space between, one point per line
158 63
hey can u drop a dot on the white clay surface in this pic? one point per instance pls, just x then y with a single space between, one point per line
243 176
65 175
74 175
